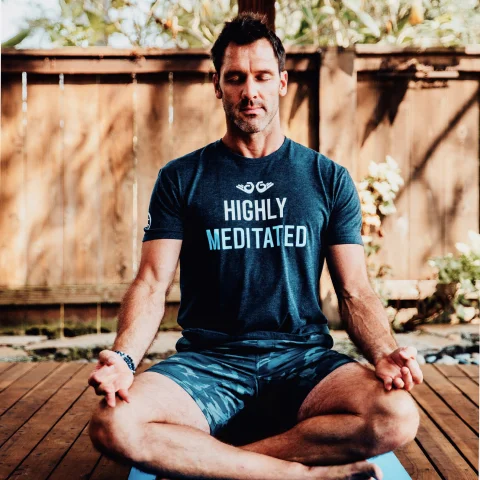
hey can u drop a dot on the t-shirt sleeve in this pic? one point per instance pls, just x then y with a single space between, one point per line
345 223
165 212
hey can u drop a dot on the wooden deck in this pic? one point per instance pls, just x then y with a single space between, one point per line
45 408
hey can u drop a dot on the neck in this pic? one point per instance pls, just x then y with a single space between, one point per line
253 145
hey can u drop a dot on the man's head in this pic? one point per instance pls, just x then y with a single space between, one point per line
249 60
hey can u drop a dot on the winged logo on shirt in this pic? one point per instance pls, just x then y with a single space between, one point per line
250 187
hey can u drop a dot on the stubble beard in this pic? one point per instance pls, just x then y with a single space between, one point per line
254 125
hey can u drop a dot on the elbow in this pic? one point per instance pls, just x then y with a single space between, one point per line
159 290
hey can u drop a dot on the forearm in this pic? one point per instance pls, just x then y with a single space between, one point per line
367 325
140 314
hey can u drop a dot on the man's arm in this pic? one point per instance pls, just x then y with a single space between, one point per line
360 308
143 305
141 312
366 320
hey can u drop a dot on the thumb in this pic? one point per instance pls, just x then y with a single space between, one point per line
124 395
107 357
408 352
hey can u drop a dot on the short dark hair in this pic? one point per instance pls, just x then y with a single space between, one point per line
246 28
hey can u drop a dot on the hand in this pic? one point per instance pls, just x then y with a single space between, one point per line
111 375
399 369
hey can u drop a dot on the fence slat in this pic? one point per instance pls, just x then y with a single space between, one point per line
13 264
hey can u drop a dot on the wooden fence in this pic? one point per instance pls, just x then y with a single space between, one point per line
85 131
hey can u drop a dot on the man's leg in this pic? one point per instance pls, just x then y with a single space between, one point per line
162 430
346 417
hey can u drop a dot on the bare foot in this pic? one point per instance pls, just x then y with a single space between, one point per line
352 471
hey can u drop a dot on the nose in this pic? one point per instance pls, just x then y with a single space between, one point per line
250 89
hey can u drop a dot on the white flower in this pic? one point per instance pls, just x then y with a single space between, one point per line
373 169
366 196
474 241
363 185
387 209
432 263
373 220
367 238
391 162
369 208
462 248
383 188
395 180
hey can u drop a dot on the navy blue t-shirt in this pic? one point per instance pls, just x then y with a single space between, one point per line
254 234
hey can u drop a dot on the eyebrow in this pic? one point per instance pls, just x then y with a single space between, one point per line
239 72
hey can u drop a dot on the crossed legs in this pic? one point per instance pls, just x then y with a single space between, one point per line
163 431
348 416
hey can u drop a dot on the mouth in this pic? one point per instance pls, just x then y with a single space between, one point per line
251 110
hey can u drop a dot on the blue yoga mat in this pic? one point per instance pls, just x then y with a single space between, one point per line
391 467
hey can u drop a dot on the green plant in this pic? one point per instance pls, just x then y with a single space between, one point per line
462 272
196 23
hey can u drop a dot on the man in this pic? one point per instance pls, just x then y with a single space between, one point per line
254 390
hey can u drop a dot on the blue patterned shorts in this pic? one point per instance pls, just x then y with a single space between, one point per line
251 389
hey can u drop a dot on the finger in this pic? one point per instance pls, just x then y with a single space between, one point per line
398 382
110 398
124 395
408 352
415 370
102 378
388 383
407 378
92 381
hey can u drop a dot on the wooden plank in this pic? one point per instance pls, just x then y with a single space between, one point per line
41 461
462 382
44 182
79 461
338 103
29 435
5 366
12 374
154 141
190 122
451 370
408 60
441 452
416 463
337 99
24 384
113 293
73 294
460 190
108 469
446 420
454 398
116 161
83 220
299 116
13 262
80 61
427 179
26 407
471 371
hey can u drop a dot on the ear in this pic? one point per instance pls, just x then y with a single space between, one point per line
283 83
218 91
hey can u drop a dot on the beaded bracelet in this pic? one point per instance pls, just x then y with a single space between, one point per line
128 360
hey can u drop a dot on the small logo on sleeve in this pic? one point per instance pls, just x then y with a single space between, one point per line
250 187
149 222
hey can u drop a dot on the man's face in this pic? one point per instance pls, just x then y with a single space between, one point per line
250 85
